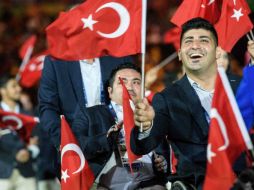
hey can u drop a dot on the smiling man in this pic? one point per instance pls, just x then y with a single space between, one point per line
181 112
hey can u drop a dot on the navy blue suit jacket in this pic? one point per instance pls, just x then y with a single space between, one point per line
61 91
90 128
180 116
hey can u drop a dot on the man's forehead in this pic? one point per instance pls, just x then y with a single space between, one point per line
197 32
128 73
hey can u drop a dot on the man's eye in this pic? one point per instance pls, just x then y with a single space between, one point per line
137 82
187 41
204 41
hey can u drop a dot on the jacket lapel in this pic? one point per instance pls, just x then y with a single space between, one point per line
193 103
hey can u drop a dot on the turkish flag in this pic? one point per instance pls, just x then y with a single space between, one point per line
76 174
173 36
31 73
233 24
22 124
207 9
27 46
228 136
128 122
97 28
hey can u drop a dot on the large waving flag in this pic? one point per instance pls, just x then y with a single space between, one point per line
76 174
234 23
207 9
245 96
22 124
31 73
228 136
128 122
97 28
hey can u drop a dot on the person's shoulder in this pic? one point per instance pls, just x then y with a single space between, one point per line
173 87
52 60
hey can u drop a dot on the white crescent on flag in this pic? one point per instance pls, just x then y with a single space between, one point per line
75 148
216 115
123 15
13 118
124 19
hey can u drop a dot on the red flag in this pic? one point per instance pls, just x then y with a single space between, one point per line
76 174
128 122
173 36
149 95
228 136
207 9
97 28
233 24
31 73
22 124
27 46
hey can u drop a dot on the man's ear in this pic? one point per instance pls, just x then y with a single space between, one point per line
110 91
179 55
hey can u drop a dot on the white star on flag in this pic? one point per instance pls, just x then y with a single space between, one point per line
210 153
64 175
88 22
237 14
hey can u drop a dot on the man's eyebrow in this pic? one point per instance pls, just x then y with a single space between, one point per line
188 37
204 37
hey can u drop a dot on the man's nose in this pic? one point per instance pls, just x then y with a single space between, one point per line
129 86
196 44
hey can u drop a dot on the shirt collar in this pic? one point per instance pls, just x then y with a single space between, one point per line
5 107
195 84
95 62
116 107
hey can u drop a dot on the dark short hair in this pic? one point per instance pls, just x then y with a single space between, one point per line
5 79
199 23
126 65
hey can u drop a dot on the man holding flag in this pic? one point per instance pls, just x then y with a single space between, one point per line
106 147
182 111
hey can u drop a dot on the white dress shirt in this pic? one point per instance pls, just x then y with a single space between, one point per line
92 82
205 97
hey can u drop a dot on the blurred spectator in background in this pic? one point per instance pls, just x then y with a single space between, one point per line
16 158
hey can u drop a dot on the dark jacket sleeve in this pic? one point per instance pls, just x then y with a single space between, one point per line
49 102
90 128
158 132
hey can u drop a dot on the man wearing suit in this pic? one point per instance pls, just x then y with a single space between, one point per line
67 86
16 171
103 145
181 112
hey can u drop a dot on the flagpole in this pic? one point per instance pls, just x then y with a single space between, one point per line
143 50
24 61
166 61
143 46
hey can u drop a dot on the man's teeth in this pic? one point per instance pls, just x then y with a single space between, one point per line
196 55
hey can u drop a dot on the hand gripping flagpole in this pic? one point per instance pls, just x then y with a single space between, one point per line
143 50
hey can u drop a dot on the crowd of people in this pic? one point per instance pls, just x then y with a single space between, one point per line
171 132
